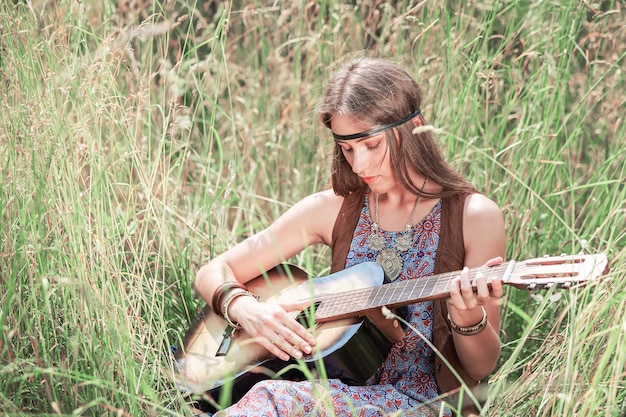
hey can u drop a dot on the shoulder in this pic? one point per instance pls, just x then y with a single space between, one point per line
323 200
483 230
316 213
479 207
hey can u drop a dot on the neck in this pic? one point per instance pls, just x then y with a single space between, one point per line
398 196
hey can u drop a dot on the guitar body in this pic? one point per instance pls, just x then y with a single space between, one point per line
351 348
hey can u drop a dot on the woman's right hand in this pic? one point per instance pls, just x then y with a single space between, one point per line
273 326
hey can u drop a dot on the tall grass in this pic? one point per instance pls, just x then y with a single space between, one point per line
137 143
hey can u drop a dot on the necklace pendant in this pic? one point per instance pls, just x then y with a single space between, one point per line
391 262
403 242
376 241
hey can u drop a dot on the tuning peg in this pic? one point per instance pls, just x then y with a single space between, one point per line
563 254
546 256
532 287
566 285
548 285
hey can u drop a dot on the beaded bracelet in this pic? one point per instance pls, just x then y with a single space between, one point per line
471 330
229 298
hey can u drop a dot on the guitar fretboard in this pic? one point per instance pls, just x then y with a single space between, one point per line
395 294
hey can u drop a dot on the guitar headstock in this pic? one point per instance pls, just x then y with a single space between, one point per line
563 271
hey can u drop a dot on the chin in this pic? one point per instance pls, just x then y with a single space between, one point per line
377 190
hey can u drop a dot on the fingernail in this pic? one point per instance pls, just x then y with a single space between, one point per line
298 355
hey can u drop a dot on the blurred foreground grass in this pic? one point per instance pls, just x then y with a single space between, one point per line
137 139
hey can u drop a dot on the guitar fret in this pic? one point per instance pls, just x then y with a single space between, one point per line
389 294
404 288
355 300
404 291
442 285
378 297
426 282
448 281
396 292
357 303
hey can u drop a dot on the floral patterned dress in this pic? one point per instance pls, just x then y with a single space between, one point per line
404 384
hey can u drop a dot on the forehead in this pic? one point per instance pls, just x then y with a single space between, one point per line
347 125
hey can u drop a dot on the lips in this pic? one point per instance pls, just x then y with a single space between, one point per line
368 180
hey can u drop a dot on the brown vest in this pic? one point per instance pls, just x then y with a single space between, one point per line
450 256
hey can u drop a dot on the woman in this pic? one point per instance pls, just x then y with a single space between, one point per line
395 200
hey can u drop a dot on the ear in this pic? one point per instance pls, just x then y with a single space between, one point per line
418 121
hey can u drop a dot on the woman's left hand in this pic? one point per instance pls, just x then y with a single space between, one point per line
466 299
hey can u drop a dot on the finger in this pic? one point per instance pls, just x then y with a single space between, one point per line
273 347
299 306
482 289
497 290
494 261
275 330
467 290
288 334
456 299
288 348
302 338
296 327
275 339
296 337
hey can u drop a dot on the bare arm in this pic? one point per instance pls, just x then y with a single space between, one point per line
484 236
308 222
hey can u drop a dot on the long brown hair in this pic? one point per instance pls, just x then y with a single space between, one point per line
376 92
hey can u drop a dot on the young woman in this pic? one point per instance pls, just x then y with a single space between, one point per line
394 200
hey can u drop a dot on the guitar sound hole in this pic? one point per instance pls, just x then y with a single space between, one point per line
307 316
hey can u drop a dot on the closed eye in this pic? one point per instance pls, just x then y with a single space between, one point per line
370 145
346 149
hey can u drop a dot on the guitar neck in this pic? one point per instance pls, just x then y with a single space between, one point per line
399 293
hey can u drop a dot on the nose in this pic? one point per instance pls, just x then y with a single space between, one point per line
360 161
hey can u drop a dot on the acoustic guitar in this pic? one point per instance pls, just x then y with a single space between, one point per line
349 346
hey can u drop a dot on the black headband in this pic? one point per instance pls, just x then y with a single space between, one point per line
376 129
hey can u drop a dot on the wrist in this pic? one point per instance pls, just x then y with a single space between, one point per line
220 294
232 315
229 300
467 317
469 326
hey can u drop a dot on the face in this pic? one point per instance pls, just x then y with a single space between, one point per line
368 156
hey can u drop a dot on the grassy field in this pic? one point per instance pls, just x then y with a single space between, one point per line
138 139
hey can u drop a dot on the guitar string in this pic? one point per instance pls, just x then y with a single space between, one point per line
357 300
339 304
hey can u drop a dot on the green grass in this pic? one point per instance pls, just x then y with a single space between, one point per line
134 148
